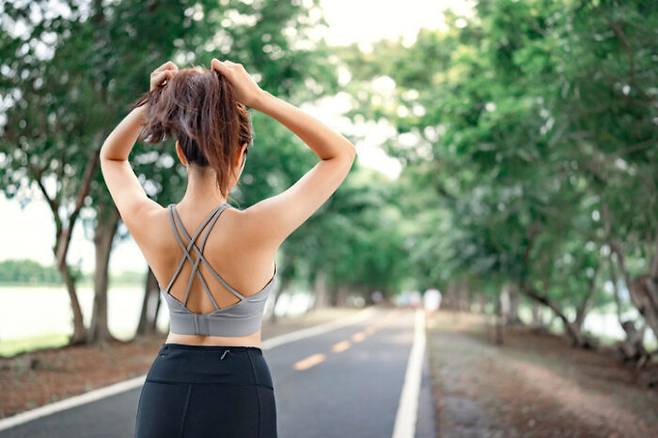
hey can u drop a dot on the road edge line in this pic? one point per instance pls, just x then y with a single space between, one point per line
316 330
407 414
71 402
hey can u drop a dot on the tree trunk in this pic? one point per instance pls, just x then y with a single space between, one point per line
574 334
106 227
481 303
342 293
632 348
500 318
515 298
446 299
156 313
63 233
465 297
644 295
509 302
61 250
537 316
460 296
615 285
79 330
148 315
571 330
503 303
643 289
583 308
321 290
285 285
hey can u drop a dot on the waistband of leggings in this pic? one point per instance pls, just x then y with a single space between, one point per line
234 348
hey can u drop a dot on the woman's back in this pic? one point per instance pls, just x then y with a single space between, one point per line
227 287
242 264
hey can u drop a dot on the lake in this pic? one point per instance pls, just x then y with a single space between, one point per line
27 312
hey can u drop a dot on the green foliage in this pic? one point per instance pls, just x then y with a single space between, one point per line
533 142
27 272
64 101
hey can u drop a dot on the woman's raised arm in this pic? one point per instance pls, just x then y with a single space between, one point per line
273 219
124 186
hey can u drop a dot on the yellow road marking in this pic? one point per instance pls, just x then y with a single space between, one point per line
317 358
310 361
340 346
358 337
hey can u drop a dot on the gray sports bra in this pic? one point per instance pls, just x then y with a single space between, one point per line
238 319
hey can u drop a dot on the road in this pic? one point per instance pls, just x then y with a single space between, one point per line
342 383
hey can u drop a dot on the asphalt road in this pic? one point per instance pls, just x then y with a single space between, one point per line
344 383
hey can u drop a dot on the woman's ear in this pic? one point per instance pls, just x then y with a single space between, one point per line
181 155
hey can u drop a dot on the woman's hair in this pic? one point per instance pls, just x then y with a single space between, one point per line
198 108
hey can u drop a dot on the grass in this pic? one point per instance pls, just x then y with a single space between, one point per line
12 347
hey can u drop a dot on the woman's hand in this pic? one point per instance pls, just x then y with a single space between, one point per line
162 74
247 90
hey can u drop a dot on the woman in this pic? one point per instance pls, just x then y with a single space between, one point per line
210 378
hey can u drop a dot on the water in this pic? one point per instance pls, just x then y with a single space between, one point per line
599 323
36 311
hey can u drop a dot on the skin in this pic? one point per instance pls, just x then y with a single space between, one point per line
243 243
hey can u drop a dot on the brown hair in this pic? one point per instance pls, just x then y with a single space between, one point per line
198 108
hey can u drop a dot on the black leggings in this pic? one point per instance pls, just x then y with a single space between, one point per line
207 391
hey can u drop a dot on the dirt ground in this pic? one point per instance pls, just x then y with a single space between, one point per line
33 379
535 385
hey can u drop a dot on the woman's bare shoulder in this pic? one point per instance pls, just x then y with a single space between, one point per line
152 232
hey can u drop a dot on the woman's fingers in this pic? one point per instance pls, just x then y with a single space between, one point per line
224 65
166 66
158 78
218 65
168 74
246 89
163 73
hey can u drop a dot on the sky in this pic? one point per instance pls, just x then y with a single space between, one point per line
29 232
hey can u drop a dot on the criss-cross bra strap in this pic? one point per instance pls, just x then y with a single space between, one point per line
195 266
200 257
190 244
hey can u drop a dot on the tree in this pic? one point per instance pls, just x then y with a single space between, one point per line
524 124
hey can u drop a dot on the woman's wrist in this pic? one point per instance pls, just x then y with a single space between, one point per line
260 102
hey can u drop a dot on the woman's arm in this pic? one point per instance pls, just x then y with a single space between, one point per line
324 141
272 220
124 186
119 143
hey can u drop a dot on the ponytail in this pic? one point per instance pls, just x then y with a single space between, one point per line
198 108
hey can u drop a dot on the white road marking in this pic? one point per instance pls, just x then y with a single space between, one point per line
71 402
136 382
317 330
405 420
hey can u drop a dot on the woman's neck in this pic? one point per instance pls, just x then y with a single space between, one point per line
202 189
